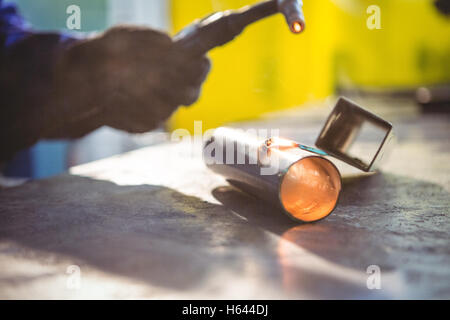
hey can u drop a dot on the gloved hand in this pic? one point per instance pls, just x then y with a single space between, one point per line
129 78
443 6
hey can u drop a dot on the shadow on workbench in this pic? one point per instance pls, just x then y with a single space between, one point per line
160 236
381 219
145 232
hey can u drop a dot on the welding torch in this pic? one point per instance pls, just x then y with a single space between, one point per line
220 28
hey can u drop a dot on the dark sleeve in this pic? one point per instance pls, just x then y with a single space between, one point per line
27 61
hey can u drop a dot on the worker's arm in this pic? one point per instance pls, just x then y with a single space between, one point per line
26 60
55 86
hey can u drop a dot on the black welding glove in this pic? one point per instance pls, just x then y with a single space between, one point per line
129 78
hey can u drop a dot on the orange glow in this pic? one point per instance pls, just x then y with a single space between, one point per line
297 27
281 144
310 189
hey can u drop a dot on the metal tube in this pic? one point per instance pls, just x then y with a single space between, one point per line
303 184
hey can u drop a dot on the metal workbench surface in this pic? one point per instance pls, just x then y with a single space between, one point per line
155 223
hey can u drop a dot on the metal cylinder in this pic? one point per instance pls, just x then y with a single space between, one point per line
303 184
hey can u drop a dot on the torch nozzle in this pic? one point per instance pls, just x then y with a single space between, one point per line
222 27
292 11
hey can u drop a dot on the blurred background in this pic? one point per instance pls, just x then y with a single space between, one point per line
264 70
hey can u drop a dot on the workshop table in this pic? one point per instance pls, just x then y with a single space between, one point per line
156 223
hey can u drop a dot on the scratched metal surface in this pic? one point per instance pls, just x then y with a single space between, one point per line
155 223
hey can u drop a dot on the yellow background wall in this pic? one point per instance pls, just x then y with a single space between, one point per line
412 48
267 68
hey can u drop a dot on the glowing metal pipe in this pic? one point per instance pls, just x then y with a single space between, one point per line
303 184
293 176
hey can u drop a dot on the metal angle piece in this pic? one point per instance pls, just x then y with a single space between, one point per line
355 135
